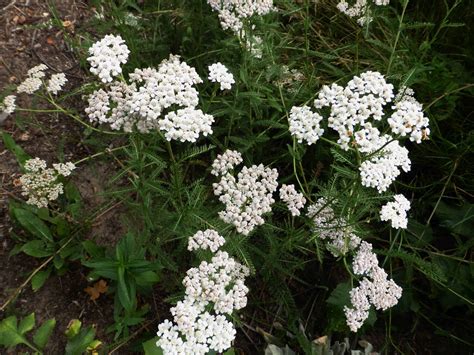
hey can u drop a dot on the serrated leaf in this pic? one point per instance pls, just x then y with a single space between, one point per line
43 333
32 224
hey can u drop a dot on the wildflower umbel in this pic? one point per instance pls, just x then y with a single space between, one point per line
40 183
155 99
233 13
396 212
375 289
107 56
360 9
293 199
56 83
218 284
33 82
246 197
305 124
8 106
218 73
208 239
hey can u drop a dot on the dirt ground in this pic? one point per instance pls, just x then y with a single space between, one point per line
26 40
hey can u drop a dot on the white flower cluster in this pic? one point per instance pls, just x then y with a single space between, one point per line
293 199
352 106
305 124
146 102
218 73
107 56
34 81
408 118
56 83
355 110
246 197
208 239
225 162
396 212
232 13
8 106
219 283
340 239
374 289
384 167
40 183
360 9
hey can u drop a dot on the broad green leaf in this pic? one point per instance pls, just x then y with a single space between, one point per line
32 224
9 335
43 333
147 278
26 324
39 279
150 347
78 344
125 290
37 249
18 151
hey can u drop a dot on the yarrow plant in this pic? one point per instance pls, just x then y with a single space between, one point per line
218 284
218 73
248 196
233 13
40 183
360 9
161 99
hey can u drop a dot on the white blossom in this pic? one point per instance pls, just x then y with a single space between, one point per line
186 124
384 167
208 239
39 183
247 197
107 56
305 124
221 282
396 212
360 9
293 199
232 13
8 106
218 73
56 83
408 119
225 162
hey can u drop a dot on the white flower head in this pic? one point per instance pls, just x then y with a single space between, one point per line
208 239
39 183
396 212
248 197
56 83
8 106
305 124
218 73
293 199
107 56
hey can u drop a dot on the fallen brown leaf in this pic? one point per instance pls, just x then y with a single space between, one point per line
98 288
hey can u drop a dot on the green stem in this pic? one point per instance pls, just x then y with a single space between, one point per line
397 38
